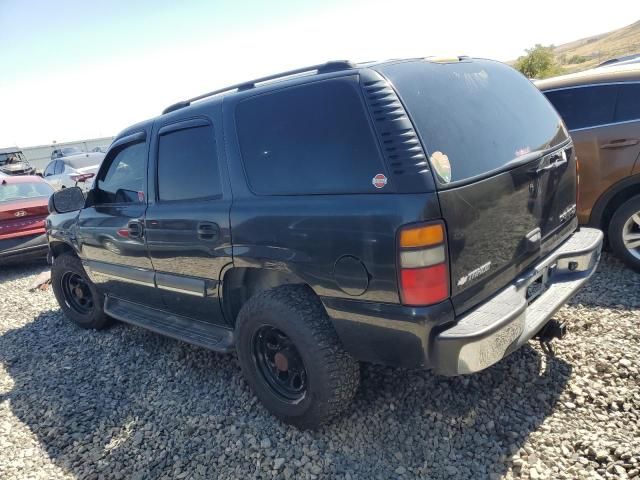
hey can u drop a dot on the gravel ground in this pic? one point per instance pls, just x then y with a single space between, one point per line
126 403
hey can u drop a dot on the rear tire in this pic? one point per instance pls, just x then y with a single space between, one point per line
292 358
624 233
76 294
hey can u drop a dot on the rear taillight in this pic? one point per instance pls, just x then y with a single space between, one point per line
422 259
81 177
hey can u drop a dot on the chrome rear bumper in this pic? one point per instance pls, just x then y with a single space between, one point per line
509 319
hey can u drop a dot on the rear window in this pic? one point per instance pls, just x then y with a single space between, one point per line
474 117
19 191
83 162
311 139
584 107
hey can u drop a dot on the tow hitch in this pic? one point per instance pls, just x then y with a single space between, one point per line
553 329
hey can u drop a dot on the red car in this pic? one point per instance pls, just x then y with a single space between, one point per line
23 209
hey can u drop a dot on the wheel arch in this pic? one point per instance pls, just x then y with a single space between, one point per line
610 200
57 248
239 284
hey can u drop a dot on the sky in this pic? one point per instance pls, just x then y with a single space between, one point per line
74 70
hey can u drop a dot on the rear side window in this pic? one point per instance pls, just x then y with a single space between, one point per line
628 105
584 107
188 165
59 167
310 139
474 117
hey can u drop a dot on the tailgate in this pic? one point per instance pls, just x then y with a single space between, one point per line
503 164
24 217
499 226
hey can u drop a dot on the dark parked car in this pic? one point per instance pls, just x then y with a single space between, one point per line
415 213
13 162
601 108
23 209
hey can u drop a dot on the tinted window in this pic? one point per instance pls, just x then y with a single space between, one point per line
585 106
49 170
628 106
59 168
313 138
188 165
123 180
477 116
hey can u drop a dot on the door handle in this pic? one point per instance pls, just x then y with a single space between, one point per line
621 143
135 229
558 162
208 230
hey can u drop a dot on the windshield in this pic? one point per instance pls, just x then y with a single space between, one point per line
20 191
475 117
13 157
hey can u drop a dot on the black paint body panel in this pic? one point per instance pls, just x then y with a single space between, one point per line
344 246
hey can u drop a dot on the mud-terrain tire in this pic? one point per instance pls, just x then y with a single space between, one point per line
292 358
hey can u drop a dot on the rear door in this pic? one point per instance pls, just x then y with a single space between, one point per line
187 222
604 122
506 175
110 229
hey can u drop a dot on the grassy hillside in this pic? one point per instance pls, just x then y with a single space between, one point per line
589 52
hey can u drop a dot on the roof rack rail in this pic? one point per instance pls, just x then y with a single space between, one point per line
332 66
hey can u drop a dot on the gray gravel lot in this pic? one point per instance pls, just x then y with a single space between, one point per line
126 403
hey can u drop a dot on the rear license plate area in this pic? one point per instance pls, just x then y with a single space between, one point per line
536 288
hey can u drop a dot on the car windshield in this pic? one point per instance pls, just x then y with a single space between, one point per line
18 191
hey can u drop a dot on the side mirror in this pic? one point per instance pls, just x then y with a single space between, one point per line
66 200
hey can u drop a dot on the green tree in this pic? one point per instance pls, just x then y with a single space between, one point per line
539 62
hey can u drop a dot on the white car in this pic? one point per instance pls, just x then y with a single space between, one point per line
75 170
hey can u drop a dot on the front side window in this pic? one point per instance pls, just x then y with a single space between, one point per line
584 107
123 181
310 139
188 165
628 105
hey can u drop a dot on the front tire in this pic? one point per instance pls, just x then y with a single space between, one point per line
624 232
292 358
76 294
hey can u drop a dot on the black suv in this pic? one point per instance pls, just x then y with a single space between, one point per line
415 213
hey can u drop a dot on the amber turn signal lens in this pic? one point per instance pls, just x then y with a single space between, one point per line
422 236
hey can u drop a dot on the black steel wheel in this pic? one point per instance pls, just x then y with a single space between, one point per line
292 357
280 364
77 293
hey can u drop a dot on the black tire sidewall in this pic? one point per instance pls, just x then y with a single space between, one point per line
66 263
319 403
614 234
280 319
